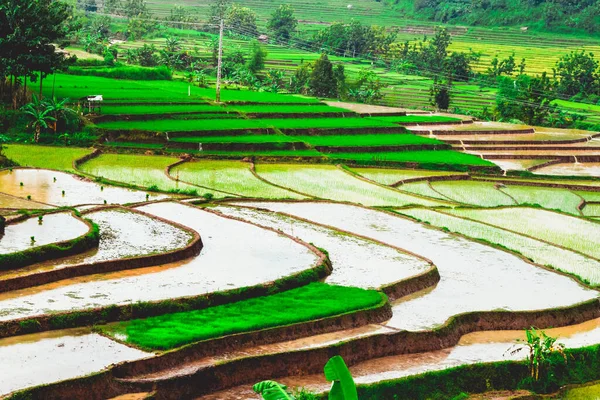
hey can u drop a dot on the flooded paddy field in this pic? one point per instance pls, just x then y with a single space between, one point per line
31 233
267 257
486 278
356 261
61 189
43 358
368 248
329 182
123 234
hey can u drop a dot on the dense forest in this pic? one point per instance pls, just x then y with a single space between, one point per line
554 15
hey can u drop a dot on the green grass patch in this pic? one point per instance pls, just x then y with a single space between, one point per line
174 125
125 72
160 109
311 302
60 158
140 91
448 157
404 139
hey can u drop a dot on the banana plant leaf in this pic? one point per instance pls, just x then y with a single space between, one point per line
271 390
343 386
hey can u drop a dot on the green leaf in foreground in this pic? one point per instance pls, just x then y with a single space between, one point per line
343 387
271 390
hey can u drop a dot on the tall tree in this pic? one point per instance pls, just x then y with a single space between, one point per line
322 80
218 11
527 99
30 30
283 23
241 20
577 72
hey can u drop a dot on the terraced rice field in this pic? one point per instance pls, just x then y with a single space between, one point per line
229 176
368 249
484 276
54 228
483 194
329 182
237 269
569 232
59 158
359 262
142 171
539 252
60 189
392 176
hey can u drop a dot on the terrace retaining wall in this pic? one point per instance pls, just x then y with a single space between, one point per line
196 351
302 362
476 132
88 317
461 122
192 249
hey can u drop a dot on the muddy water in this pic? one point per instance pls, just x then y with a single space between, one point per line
235 254
582 169
474 277
54 228
38 359
472 348
122 234
356 262
41 186
17 203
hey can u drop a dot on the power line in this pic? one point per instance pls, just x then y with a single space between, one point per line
308 46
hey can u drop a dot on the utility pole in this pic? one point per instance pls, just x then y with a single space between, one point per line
219 63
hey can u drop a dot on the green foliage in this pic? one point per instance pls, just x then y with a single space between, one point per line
307 303
241 20
257 58
353 39
577 73
322 81
283 23
525 99
271 390
541 347
554 15
343 387
26 51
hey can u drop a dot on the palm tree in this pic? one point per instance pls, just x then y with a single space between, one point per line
39 116
59 110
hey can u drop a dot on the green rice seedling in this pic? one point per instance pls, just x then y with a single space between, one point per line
390 176
472 192
586 269
230 176
570 232
314 301
329 182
